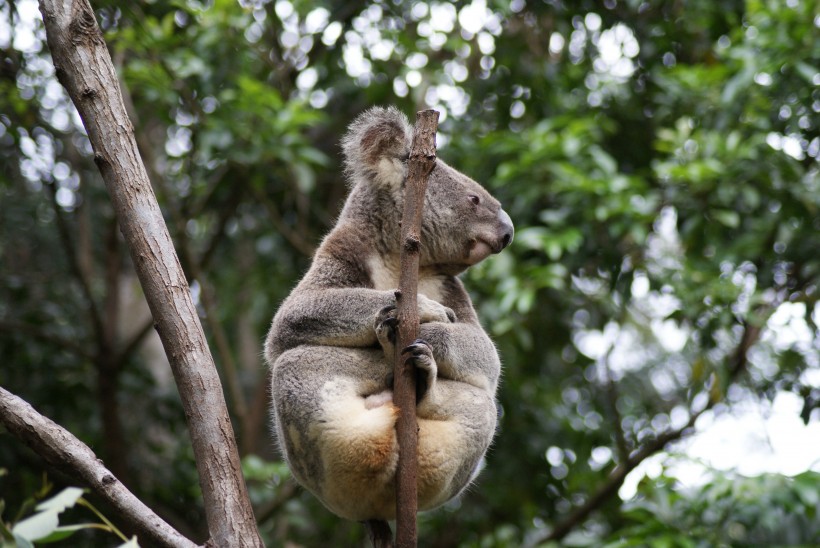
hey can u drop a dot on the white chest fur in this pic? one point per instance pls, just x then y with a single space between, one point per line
385 275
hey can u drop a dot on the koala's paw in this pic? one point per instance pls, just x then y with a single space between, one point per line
434 311
386 327
421 354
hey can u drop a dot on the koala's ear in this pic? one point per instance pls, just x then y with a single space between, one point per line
376 146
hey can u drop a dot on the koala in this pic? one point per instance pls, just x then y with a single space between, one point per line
331 343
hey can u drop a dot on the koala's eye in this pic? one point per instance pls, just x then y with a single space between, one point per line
475 199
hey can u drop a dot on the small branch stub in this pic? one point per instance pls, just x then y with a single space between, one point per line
421 163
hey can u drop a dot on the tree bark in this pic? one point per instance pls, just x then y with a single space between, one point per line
421 163
83 65
66 453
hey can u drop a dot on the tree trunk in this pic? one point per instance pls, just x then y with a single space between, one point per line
83 65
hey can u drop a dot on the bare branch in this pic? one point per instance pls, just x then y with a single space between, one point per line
83 65
66 453
421 163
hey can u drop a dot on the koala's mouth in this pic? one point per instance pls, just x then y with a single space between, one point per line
480 250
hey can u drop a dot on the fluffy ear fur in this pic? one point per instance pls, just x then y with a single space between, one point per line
377 145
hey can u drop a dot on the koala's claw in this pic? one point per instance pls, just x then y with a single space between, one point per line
421 354
386 324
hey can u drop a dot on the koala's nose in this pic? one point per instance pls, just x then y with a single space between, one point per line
506 228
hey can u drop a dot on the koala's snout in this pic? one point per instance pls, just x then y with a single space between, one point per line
507 230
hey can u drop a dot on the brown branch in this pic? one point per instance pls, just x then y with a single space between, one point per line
421 163
83 65
63 451
615 480
611 391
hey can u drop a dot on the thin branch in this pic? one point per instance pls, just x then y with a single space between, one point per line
611 390
194 267
610 487
63 451
421 163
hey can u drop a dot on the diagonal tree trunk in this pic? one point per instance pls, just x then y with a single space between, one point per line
83 65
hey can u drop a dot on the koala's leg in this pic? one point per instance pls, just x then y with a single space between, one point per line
455 430
335 422
463 352
456 425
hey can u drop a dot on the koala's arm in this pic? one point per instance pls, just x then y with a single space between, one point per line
463 350
327 317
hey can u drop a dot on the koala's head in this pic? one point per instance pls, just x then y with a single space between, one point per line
462 223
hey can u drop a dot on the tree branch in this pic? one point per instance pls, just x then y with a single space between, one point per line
421 163
68 454
83 65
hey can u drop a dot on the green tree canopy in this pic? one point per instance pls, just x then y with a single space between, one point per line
658 158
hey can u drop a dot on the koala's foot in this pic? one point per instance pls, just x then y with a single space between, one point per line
434 311
386 327
421 354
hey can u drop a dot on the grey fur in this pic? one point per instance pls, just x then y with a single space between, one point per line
329 348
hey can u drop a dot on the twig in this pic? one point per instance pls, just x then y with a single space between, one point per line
62 450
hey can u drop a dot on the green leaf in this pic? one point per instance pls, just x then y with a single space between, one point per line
727 217
38 526
66 498
65 531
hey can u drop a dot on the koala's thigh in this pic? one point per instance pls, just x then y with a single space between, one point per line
338 439
455 430
314 384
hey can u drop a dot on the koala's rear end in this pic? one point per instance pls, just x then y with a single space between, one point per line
331 343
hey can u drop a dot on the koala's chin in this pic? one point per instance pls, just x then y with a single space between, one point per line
331 343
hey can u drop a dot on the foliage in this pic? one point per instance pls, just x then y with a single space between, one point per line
729 510
43 527
658 158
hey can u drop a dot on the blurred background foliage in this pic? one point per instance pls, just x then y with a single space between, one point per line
659 159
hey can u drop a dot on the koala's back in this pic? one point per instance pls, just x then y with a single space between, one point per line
330 344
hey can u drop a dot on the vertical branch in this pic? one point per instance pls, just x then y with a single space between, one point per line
421 163
83 66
